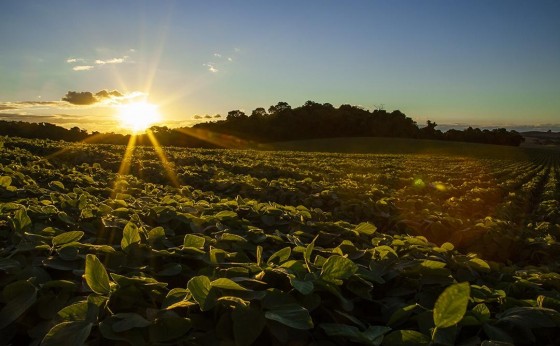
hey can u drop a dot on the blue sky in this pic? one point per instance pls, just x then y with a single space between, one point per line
455 62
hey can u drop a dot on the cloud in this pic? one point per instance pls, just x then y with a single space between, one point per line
28 104
217 55
211 67
5 106
74 60
80 98
111 61
82 68
84 98
108 94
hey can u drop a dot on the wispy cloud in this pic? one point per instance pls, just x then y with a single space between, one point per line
82 68
219 61
82 64
211 67
112 61
24 105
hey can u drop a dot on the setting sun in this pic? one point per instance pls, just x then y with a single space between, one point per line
138 116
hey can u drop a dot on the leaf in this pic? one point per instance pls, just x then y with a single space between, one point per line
531 317
200 288
193 241
481 312
337 268
291 315
307 254
259 255
75 312
129 321
5 181
280 256
479 264
366 228
96 275
21 220
248 324
405 338
372 336
304 287
68 333
169 328
19 297
227 284
67 237
131 235
451 305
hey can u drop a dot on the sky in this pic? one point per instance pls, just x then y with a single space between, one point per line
481 63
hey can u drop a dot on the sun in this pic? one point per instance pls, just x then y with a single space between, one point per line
138 116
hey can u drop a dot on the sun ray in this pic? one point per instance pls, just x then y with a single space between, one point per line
220 139
163 158
124 168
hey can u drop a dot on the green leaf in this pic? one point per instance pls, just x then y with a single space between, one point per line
366 228
68 333
280 256
131 235
259 255
304 287
291 315
169 328
21 220
129 321
481 312
372 336
96 275
451 305
67 237
307 254
5 181
19 297
75 312
193 241
227 284
57 185
248 324
405 338
479 264
200 288
336 268
531 317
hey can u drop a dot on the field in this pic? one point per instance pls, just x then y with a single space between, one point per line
414 244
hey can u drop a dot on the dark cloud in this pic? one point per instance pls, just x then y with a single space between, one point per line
80 98
87 98
5 107
108 94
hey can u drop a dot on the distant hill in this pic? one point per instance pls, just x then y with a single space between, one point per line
376 145
541 134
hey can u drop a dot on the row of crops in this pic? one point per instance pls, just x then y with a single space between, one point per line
188 246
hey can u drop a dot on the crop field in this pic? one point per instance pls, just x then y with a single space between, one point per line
103 244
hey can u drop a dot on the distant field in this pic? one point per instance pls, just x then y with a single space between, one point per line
402 146
419 242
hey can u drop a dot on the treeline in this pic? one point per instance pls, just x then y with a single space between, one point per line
280 122
315 120
162 134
